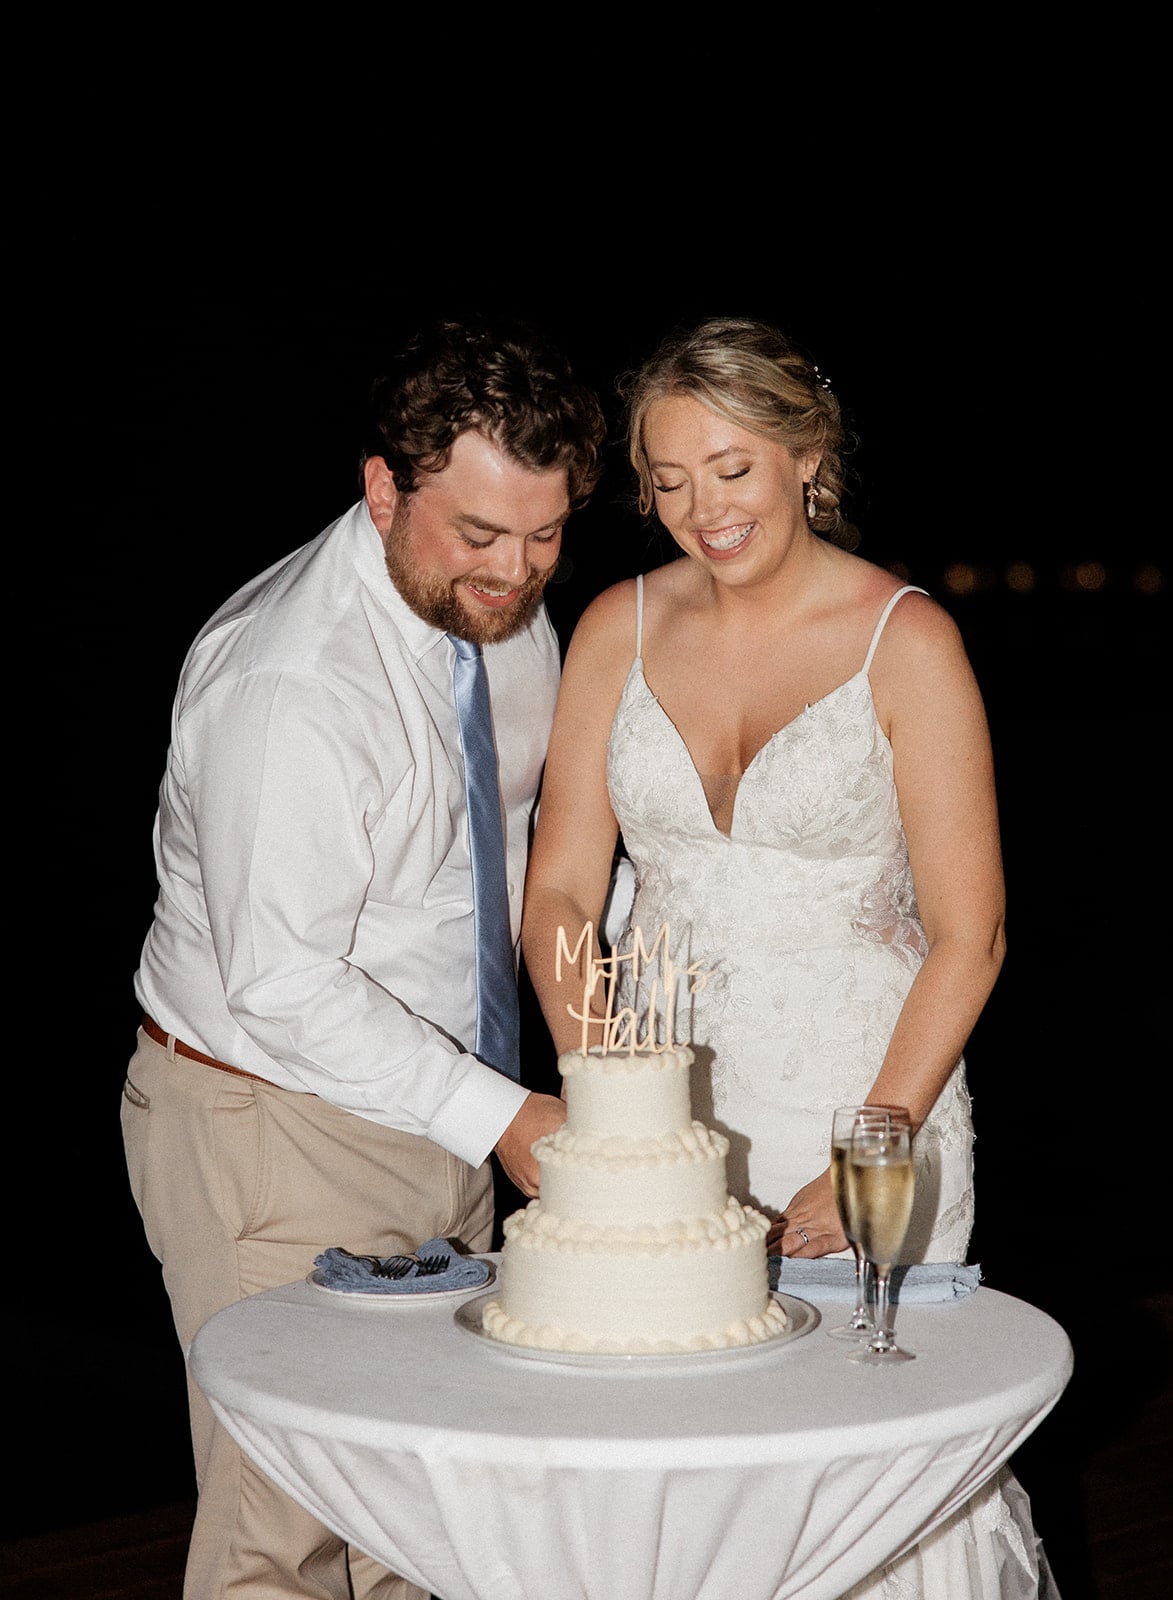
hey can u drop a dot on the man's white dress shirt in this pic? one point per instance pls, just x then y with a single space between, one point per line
314 923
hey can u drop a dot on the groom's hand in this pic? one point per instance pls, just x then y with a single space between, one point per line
539 1114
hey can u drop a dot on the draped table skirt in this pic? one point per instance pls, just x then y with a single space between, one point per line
484 1474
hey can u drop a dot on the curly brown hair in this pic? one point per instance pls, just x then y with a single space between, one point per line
502 378
752 374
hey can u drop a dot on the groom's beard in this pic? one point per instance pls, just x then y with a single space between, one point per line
439 601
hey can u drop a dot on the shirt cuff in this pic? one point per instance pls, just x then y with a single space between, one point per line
472 1121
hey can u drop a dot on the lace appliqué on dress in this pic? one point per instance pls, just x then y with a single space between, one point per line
888 915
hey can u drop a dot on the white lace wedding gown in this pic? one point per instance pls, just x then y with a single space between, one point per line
804 914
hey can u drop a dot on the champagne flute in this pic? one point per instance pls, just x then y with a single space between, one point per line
879 1188
843 1122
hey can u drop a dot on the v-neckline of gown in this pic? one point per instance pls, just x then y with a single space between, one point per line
812 705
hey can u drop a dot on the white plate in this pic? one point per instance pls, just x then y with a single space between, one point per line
801 1317
385 1297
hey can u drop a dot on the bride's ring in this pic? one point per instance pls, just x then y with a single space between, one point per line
803 1236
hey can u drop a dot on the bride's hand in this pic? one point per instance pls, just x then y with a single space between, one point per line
810 1225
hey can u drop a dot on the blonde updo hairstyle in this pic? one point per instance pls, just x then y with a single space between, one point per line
750 373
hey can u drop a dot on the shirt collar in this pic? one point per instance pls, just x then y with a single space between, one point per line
370 560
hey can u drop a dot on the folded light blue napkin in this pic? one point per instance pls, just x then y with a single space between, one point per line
833 1278
339 1270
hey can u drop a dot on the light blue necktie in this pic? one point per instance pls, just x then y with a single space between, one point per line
498 1021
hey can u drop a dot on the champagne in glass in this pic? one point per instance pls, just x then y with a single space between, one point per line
843 1123
879 1188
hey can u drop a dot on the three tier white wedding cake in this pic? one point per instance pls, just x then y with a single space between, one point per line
635 1246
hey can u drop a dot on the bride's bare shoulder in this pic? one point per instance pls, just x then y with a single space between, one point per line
920 645
866 589
678 586
615 610
605 635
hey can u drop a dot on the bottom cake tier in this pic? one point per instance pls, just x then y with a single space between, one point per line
639 1291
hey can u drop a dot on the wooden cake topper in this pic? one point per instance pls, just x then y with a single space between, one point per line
619 1029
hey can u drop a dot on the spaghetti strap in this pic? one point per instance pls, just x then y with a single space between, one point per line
639 616
909 588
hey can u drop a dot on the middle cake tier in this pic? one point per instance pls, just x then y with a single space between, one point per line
616 1182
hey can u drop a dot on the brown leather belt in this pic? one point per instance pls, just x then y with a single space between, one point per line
155 1032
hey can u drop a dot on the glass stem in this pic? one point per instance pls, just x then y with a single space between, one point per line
881 1339
860 1318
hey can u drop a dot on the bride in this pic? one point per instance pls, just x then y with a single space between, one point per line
790 747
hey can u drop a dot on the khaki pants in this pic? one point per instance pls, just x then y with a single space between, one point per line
240 1185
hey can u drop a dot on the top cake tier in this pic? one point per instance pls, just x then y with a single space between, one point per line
627 1096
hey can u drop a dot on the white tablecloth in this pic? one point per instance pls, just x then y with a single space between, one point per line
487 1475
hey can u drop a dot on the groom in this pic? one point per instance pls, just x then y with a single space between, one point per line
306 1072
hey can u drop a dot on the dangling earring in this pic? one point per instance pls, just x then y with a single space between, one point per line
812 495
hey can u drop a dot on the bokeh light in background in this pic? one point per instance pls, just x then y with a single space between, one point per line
1148 579
966 579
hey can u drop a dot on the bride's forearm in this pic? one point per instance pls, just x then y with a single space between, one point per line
554 920
942 1008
